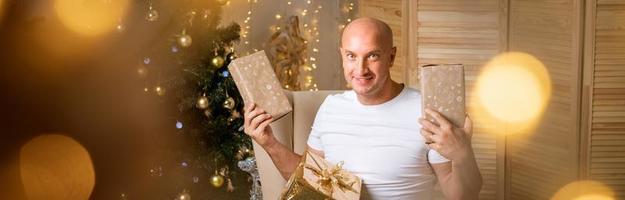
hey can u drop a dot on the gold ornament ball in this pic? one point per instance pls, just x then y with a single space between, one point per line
218 61
217 180
202 103
185 40
223 2
229 103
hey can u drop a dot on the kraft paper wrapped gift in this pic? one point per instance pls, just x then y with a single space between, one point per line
315 178
442 90
256 81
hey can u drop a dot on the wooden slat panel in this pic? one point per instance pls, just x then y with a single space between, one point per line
607 133
467 32
541 164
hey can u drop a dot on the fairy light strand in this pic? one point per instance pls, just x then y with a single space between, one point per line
311 31
246 28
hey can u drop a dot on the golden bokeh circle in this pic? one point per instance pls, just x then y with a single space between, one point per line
584 190
91 17
514 88
54 167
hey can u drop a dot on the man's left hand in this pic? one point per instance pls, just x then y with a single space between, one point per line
452 142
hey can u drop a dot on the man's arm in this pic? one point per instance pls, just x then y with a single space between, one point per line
283 158
256 124
460 178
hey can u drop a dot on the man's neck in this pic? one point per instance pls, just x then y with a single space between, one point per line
389 92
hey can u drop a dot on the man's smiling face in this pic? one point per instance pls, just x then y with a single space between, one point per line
368 54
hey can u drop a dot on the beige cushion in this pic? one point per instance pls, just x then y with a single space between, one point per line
291 130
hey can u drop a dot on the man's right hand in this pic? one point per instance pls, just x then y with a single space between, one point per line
256 124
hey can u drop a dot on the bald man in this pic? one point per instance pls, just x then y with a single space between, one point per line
377 128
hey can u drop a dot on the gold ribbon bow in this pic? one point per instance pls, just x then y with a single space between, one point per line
331 177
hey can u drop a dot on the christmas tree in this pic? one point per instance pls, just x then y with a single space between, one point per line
206 107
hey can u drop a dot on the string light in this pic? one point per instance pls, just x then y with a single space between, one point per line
348 9
310 32
309 82
246 28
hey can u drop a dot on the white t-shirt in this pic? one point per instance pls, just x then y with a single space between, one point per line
379 143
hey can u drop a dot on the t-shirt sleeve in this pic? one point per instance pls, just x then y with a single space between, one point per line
435 158
314 138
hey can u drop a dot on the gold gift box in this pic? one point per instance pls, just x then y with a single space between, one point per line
442 90
315 178
256 81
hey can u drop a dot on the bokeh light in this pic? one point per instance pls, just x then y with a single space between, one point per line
594 197
584 190
513 88
54 167
91 17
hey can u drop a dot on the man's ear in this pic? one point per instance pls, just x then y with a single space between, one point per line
393 53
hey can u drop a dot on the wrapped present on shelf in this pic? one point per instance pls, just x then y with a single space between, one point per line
315 178
442 89
256 81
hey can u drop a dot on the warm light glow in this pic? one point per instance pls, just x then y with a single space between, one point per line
584 190
514 88
56 167
1 9
91 17
594 197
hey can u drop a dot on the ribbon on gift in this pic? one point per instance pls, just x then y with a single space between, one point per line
331 177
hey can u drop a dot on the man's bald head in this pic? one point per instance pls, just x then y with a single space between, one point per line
369 27
368 54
